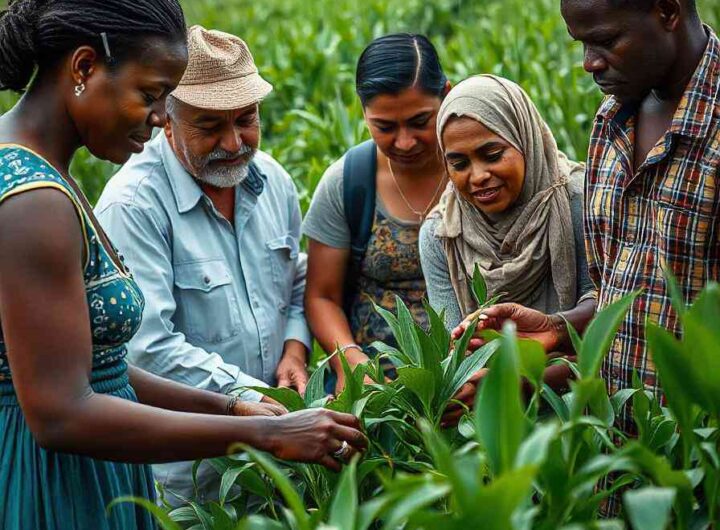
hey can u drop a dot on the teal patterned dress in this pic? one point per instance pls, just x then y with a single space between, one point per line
46 490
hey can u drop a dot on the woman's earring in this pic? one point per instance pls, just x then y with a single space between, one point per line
79 89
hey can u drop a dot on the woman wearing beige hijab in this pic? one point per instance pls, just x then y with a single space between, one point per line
513 207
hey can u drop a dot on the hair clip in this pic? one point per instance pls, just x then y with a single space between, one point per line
104 37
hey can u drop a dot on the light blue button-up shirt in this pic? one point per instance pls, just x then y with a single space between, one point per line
220 300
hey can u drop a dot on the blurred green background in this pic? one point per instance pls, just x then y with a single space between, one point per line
308 50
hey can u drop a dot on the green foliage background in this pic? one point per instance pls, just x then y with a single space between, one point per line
308 50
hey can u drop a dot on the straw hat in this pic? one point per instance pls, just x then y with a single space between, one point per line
221 73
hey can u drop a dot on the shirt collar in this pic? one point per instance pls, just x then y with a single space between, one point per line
697 105
185 188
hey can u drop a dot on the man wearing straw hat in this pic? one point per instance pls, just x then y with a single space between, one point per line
210 228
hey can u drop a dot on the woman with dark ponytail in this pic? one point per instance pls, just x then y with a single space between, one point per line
365 216
77 424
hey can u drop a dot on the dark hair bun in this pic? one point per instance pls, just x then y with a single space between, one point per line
18 54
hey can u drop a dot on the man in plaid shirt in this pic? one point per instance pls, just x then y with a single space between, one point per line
652 197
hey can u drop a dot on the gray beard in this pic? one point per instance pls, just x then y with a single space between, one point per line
224 177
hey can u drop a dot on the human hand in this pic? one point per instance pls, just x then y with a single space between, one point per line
548 330
292 369
253 408
464 398
315 436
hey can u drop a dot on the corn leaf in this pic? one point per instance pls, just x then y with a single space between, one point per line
287 397
499 416
344 507
479 287
600 334
649 508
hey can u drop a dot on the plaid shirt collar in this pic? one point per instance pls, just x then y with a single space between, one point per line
698 104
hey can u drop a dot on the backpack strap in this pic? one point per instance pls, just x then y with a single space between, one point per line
359 188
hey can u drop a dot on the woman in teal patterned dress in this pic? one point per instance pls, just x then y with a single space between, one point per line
401 84
73 436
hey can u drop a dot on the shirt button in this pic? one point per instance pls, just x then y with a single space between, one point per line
206 279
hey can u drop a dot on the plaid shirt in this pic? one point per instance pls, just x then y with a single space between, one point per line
664 215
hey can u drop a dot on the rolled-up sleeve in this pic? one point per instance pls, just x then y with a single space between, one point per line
158 347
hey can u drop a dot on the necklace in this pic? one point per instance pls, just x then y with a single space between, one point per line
420 213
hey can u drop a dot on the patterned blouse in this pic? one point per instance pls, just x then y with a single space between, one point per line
664 215
115 303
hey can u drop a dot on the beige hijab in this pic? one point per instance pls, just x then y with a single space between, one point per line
518 248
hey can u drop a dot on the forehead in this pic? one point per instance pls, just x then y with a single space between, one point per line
401 106
588 16
159 62
463 132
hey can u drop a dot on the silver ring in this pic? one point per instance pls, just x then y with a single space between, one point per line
341 453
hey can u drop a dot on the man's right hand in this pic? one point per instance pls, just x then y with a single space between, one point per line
314 435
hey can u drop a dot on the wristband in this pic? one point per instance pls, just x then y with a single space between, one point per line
231 405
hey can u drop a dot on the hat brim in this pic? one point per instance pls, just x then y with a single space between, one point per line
229 94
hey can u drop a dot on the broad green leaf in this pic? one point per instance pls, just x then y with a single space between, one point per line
420 382
220 518
499 416
649 508
675 376
438 332
499 501
600 334
408 339
163 518
459 351
413 500
555 402
397 357
260 522
534 449
344 507
228 480
532 361
287 397
468 367
703 339
676 296
432 356
479 287
283 484
206 522
315 389
575 339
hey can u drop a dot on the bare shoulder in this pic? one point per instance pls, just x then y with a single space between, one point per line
39 229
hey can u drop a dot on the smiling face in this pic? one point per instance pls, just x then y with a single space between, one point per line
119 107
403 126
487 170
215 146
628 51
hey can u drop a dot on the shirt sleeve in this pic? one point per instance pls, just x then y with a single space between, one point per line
157 346
441 294
297 327
325 220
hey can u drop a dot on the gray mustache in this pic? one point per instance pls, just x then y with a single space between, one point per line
221 154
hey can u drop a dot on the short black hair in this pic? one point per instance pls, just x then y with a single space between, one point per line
395 62
40 33
646 5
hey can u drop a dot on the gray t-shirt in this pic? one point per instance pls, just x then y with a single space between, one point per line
325 220
437 274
